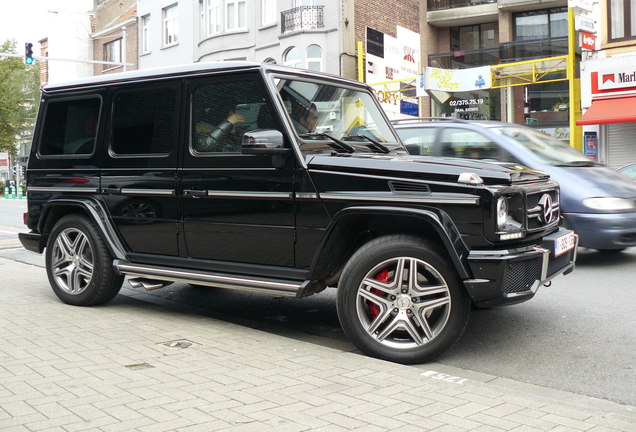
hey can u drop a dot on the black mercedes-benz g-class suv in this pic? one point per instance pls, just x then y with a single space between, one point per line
276 180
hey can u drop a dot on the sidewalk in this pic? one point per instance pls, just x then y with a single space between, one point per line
132 365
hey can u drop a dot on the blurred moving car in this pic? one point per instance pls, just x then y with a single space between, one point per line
596 201
629 170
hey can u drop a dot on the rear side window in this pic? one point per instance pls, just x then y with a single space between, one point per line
418 141
145 121
468 144
70 127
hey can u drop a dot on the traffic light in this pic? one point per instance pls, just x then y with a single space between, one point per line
28 53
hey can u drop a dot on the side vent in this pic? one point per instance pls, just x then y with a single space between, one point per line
406 187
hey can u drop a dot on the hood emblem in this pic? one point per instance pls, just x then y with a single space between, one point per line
547 213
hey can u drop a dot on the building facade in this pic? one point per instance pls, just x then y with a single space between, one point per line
462 34
319 35
114 35
608 84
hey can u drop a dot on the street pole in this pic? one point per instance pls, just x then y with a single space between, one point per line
123 47
46 58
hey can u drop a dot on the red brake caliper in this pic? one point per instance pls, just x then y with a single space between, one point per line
383 277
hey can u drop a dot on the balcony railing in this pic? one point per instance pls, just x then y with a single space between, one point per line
450 4
464 59
302 18
532 49
506 53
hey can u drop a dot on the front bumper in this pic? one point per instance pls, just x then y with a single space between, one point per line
604 230
513 276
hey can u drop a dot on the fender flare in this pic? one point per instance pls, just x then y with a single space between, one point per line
98 215
437 219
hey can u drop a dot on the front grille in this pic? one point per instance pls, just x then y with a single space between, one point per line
536 220
521 275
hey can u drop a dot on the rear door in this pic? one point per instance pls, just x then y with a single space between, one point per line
236 207
138 179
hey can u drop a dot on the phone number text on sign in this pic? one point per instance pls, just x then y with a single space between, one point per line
462 102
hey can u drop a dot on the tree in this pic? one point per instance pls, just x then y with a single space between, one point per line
19 98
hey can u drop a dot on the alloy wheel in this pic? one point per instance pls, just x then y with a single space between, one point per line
403 303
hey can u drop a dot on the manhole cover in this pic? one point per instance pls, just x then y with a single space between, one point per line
180 344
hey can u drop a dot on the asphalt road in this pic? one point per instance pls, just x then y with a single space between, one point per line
576 335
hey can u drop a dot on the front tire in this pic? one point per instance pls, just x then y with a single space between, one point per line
78 263
400 301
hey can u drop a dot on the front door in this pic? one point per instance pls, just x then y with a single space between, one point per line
236 207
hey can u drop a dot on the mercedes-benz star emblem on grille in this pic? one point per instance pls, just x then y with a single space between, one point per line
546 209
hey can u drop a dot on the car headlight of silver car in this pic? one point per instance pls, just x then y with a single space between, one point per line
609 203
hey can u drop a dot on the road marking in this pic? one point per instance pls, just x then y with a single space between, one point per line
444 377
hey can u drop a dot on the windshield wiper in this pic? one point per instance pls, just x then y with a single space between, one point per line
336 143
579 163
375 145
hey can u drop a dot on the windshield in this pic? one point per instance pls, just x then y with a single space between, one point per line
548 149
342 113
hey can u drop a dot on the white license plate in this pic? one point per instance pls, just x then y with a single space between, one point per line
564 243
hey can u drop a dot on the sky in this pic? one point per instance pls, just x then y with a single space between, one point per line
27 20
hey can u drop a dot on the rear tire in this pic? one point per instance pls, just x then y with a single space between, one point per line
389 313
78 263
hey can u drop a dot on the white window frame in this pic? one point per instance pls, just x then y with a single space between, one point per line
233 15
145 34
214 16
170 25
269 14
114 48
297 63
314 59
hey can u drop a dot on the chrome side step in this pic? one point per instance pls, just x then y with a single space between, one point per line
149 277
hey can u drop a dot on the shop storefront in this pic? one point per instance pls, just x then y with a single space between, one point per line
609 94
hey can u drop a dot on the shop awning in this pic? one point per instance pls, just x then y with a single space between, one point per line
616 110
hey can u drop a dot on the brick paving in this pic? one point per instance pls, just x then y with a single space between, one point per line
132 365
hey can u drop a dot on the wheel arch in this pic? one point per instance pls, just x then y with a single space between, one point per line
56 209
355 226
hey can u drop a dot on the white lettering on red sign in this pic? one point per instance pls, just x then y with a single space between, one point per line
588 41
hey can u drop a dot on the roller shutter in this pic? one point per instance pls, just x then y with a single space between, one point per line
621 144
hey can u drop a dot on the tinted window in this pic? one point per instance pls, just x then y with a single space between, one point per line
468 144
224 111
70 127
145 121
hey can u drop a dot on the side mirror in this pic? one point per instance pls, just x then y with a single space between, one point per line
264 142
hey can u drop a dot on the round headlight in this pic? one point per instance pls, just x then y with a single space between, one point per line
502 212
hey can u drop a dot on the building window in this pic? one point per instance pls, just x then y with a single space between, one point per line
235 14
268 12
473 37
541 24
314 58
112 53
292 57
621 19
170 25
145 34
215 16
